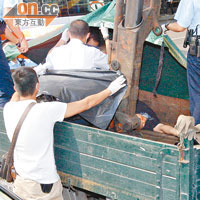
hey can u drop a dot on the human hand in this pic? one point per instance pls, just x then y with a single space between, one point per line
104 31
23 46
42 68
117 84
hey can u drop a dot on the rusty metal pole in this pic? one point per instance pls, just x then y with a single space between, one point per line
119 14
133 16
133 20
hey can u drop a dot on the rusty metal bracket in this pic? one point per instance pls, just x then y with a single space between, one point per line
127 45
182 149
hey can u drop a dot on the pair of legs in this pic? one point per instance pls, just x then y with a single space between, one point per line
193 76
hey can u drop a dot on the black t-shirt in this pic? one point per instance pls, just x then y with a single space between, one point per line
152 119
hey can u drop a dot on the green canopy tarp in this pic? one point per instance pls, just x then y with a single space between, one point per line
106 15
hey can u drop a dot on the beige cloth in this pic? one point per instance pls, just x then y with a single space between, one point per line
31 190
186 127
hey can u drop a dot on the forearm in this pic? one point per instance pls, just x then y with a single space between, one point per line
10 36
77 107
95 99
162 128
15 29
107 46
175 27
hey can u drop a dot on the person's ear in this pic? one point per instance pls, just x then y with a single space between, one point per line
37 87
15 88
69 34
87 37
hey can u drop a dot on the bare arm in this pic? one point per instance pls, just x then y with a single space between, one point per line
86 103
175 27
16 30
162 128
107 46
10 36
93 100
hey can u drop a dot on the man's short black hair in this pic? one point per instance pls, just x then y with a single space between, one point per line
79 28
25 80
96 35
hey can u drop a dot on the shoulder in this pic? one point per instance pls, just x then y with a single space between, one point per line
55 110
95 50
6 107
51 107
59 49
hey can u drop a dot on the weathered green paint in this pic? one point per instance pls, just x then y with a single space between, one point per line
120 166
108 158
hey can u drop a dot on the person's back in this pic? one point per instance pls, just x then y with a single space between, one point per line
77 55
34 158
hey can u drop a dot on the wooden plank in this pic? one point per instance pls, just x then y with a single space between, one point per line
111 192
107 191
161 137
66 131
75 128
121 157
120 149
133 154
108 166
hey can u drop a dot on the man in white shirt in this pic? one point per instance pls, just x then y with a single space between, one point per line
75 54
33 155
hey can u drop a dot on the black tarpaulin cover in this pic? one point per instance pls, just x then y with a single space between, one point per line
73 85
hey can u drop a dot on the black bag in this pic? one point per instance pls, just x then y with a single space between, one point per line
7 168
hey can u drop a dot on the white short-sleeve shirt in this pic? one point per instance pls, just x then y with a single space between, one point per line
188 14
34 155
76 55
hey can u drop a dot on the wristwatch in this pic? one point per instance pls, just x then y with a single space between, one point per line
167 25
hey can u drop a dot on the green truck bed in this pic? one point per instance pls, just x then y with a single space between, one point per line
120 166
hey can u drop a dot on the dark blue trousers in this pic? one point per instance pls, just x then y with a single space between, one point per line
6 83
193 76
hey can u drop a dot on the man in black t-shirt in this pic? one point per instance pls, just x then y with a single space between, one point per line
149 120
